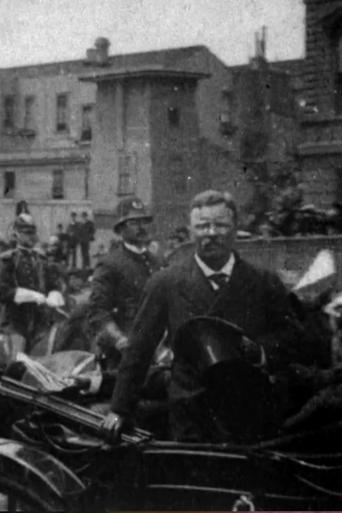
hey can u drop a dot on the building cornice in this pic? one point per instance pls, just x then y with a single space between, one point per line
157 72
320 119
319 148
27 161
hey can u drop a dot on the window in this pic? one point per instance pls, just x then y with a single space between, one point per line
29 112
178 174
127 174
173 116
339 55
8 122
9 184
58 184
226 125
338 75
338 93
226 104
62 113
87 111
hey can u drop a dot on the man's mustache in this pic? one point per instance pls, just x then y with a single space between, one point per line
211 243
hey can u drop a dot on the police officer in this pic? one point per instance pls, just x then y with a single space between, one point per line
120 277
27 285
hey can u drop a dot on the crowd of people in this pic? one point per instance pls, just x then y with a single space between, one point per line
152 320
78 236
301 221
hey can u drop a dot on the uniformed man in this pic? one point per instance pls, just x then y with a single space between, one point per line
120 277
27 285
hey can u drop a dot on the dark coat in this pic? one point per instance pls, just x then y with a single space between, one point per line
73 232
253 299
86 232
21 268
117 285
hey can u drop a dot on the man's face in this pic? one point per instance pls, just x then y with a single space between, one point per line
136 231
213 229
27 237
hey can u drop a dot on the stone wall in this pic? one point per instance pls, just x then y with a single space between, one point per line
176 172
121 134
290 254
320 60
320 145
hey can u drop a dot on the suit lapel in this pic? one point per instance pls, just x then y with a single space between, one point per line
236 290
196 289
199 295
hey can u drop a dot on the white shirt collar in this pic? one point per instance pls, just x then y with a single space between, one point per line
226 269
134 249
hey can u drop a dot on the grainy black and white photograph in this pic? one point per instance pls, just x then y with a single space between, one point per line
170 255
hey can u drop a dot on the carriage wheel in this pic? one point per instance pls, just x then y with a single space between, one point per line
15 497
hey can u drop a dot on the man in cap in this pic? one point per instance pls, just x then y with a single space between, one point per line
86 236
27 285
73 232
120 277
213 281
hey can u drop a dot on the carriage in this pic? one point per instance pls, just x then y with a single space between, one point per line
56 458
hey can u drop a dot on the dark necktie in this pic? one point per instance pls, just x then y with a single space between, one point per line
220 279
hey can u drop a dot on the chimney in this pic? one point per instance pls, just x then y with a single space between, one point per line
98 56
102 46
259 60
91 56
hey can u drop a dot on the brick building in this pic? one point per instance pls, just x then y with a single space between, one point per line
82 134
44 142
320 148
171 123
265 97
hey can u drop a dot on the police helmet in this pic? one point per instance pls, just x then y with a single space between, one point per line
24 223
130 208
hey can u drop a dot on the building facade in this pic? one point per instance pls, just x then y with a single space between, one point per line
80 135
320 148
44 143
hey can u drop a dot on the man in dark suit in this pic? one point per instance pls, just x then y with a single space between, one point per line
73 232
120 277
214 281
86 236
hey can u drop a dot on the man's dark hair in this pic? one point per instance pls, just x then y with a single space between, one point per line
73 214
21 208
212 197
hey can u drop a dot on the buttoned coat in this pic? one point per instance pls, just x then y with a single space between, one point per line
117 286
27 269
253 299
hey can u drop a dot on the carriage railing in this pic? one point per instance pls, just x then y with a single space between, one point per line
71 411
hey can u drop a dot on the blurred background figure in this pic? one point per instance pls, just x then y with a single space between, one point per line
63 241
86 236
21 208
176 239
54 250
101 252
73 232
